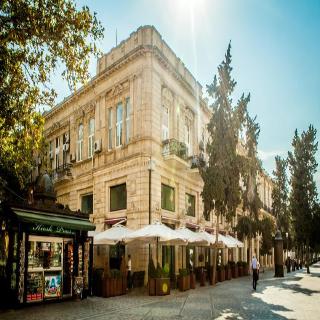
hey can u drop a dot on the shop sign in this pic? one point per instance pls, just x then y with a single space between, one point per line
50 229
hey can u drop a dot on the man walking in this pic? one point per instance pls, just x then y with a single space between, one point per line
254 267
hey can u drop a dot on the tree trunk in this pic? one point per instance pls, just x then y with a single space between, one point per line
307 257
215 251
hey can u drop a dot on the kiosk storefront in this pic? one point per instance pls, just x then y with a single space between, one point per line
45 251
55 253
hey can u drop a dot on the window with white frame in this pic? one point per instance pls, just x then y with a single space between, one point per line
128 120
65 149
51 154
91 138
188 135
118 197
190 205
110 128
57 152
165 123
80 142
87 203
119 125
167 197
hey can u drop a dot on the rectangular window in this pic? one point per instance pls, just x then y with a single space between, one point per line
128 120
80 142
51 154
165 123
188 136
57 152
190 205
119 125
65 151
110 129
87 203
167 198
118 197
91 138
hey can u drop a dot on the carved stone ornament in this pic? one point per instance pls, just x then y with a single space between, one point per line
167 97
189 113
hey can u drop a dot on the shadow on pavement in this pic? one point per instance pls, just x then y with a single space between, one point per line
257 309
297 288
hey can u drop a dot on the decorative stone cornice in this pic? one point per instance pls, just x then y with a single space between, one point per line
150 44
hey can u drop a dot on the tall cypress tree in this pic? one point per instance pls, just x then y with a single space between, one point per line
249 224
303 196
280 195
221 174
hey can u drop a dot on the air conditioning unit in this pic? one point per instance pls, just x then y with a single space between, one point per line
72 157
51 155
97 146
66 147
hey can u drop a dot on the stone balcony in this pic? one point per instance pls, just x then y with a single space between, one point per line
62 173
175 153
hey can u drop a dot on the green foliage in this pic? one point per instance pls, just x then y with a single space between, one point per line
115 274
232 264
184 272
221 174
267 229
303 196
280 195
158 272
151 269
37 37
247 227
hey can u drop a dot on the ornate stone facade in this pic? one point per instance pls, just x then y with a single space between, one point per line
145 105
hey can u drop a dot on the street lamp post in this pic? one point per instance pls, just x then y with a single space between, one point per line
151 165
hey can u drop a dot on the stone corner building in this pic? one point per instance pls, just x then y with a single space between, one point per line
140 120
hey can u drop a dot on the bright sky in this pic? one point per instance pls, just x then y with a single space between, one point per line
275 48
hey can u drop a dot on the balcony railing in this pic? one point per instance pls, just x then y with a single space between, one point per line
175 147
62 173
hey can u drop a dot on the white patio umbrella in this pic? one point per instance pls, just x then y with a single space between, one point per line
237 242
192 237
209 238
111 236
156 233
228 242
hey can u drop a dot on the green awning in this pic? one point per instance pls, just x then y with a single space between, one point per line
45 218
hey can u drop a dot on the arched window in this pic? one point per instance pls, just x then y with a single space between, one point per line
80 142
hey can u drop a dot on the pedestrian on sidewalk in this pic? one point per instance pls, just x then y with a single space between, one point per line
254 267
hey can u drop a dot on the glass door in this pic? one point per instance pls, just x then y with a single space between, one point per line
67 266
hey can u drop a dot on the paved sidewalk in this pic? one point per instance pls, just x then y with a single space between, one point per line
296 296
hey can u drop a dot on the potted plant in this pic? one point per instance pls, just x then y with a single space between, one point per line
192 280
184 279
227 270
159 280
245 268
114 284
234 269
220 273
240 268
202 276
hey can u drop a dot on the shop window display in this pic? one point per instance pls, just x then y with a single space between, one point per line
52 285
